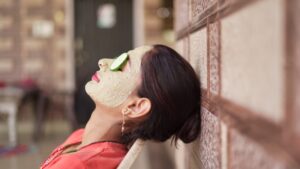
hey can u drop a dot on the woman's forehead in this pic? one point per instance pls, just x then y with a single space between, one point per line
139 51
135 57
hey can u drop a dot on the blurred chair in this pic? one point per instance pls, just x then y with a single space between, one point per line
43 101
15 95
39 98
9 102
132 154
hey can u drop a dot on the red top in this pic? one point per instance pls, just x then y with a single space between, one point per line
104 155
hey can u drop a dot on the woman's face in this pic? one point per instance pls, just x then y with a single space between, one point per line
112 88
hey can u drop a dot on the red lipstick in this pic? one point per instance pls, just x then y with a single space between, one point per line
96 78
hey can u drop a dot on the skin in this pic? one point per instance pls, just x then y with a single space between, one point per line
106 120
115 86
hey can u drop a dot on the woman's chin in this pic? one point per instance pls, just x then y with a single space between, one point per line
89 88
92 92
104 97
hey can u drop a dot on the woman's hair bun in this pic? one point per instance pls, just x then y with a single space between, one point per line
191 128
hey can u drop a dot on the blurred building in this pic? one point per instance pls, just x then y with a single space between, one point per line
33 42
57 43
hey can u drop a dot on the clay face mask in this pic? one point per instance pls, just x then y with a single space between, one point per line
112 87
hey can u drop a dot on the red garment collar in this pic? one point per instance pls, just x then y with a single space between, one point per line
76 138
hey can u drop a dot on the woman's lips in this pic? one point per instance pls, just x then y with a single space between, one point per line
96 78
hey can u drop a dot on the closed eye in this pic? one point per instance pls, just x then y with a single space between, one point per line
120 62
127 65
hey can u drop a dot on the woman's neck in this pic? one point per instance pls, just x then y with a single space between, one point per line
101 127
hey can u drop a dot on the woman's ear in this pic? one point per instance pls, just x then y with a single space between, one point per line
137 108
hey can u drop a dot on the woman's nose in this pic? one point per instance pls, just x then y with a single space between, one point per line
104 64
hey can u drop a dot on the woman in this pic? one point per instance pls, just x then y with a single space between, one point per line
150 93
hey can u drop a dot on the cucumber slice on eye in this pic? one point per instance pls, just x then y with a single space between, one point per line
119 62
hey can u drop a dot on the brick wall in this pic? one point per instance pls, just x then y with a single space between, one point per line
247 55
25 54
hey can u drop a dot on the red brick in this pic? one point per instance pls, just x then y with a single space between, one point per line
210 141
214 57
197 7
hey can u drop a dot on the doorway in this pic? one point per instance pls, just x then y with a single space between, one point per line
103 29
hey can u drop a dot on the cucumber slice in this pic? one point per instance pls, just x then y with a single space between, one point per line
119 62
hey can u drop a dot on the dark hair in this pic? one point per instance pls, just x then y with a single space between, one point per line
173 88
